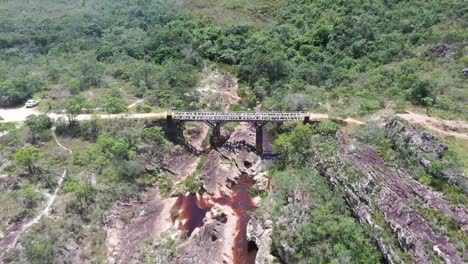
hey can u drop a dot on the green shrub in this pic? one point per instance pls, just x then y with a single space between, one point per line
114 105
327 128
40 251
144 108
154 135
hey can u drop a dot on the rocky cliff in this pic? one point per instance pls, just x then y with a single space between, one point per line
386 196
426 149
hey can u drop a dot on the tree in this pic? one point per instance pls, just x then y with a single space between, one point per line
327 128
38 125
74 107
115 105
82 191
91 73
40 250
27 156
428 102
419 91
294 146
16 91
113 148
146 73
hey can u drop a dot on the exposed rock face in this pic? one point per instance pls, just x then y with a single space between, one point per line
208 243
216 174
130 224
394 193
178 162
423 144
214 241
218 89
442 49
196 136
426 148
149 218
224 166
182 164
203 247
259 231
296 214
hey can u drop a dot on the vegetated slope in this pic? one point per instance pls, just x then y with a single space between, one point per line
390 177
346 57
352 55
98 50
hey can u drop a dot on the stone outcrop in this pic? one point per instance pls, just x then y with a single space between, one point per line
217 173
392 192
224 165
425 147
259 231
149 218
214 241
177 162
294 215
207 244
442 49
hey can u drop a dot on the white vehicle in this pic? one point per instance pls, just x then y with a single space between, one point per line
31 103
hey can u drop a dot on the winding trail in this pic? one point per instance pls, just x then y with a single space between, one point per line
137 102
49 204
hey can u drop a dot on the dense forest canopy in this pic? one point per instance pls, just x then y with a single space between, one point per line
353 56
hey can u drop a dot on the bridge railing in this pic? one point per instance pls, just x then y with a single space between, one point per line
237 116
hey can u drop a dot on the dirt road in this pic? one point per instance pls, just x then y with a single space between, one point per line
16 114
447 127
20 114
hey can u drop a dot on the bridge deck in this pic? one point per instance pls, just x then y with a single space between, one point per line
238 116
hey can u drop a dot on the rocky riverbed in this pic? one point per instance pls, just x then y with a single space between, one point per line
209 227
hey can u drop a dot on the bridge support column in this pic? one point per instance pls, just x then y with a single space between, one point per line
259 138
216 135
306 119
171 128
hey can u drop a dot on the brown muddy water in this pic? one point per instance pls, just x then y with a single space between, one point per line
193 210
241 203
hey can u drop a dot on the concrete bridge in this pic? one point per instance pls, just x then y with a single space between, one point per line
217 119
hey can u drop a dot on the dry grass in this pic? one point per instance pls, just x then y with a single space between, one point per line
258 13
461 147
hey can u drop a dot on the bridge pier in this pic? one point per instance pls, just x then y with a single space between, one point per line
171 128
216 132
216 135
217 119
259 138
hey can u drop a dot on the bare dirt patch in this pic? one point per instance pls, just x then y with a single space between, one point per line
218 90
449 127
